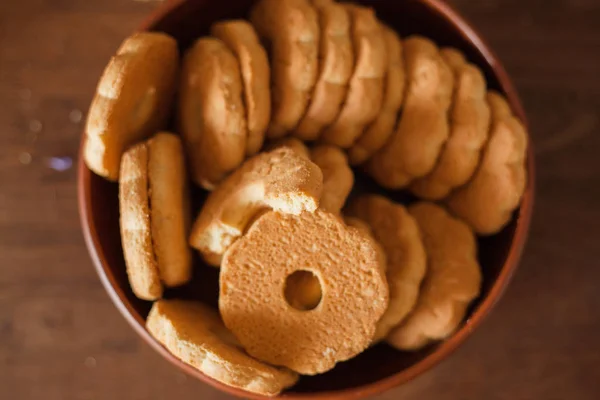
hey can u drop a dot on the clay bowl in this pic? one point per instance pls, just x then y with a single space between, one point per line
381 367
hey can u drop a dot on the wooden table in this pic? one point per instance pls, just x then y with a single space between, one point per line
62 339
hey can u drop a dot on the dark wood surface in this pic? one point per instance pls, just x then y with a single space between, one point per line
62 339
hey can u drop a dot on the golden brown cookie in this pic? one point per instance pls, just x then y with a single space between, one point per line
290 142
291 30
154 206
452 280
338 178
414 147
195 334
169 208
252 285
280 180
469 128
378 132
399 235
242 39
132 101
212 115
136 231
365 91
336 58
488 200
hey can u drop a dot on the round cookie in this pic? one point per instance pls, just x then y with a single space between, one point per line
377 133
336 58
291 29
469 128
414 147
242 39
488 200
338 178
281 180
253 278
212 115
195 334
365 91
397 232
132 101
154 209
452 280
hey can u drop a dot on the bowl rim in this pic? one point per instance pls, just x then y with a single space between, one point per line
444 349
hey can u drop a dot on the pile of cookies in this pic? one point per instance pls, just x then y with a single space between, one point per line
272 115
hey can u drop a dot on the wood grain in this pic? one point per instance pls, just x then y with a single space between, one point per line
60 336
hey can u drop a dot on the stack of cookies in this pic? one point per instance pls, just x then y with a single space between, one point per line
273 117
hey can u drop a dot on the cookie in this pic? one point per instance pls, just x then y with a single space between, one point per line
365 90
488 200
291 30
154 209
378 132
252 286
414 147
195 334
469 129
169 208
290 142
242 39
336 59
338 178
212 115
397 232
132 101
280 180
452 280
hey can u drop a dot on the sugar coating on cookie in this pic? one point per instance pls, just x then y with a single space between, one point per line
378 132
469 129
132 101
452 280
212 116
253 278
414 147
488 200
365 91
136 230
242 39
291 30
397 232
195 334
338 178
280 180
170 208
290 142
336 63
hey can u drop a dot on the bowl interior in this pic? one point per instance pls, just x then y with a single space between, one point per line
380 366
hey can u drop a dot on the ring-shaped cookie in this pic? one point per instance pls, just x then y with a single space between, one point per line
252 284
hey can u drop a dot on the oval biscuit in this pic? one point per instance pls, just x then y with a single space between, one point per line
242 39
212 116
414 147
452 280
291 30
196 335
469 129
132 101
365 91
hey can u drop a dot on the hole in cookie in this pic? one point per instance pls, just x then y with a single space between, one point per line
303 290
